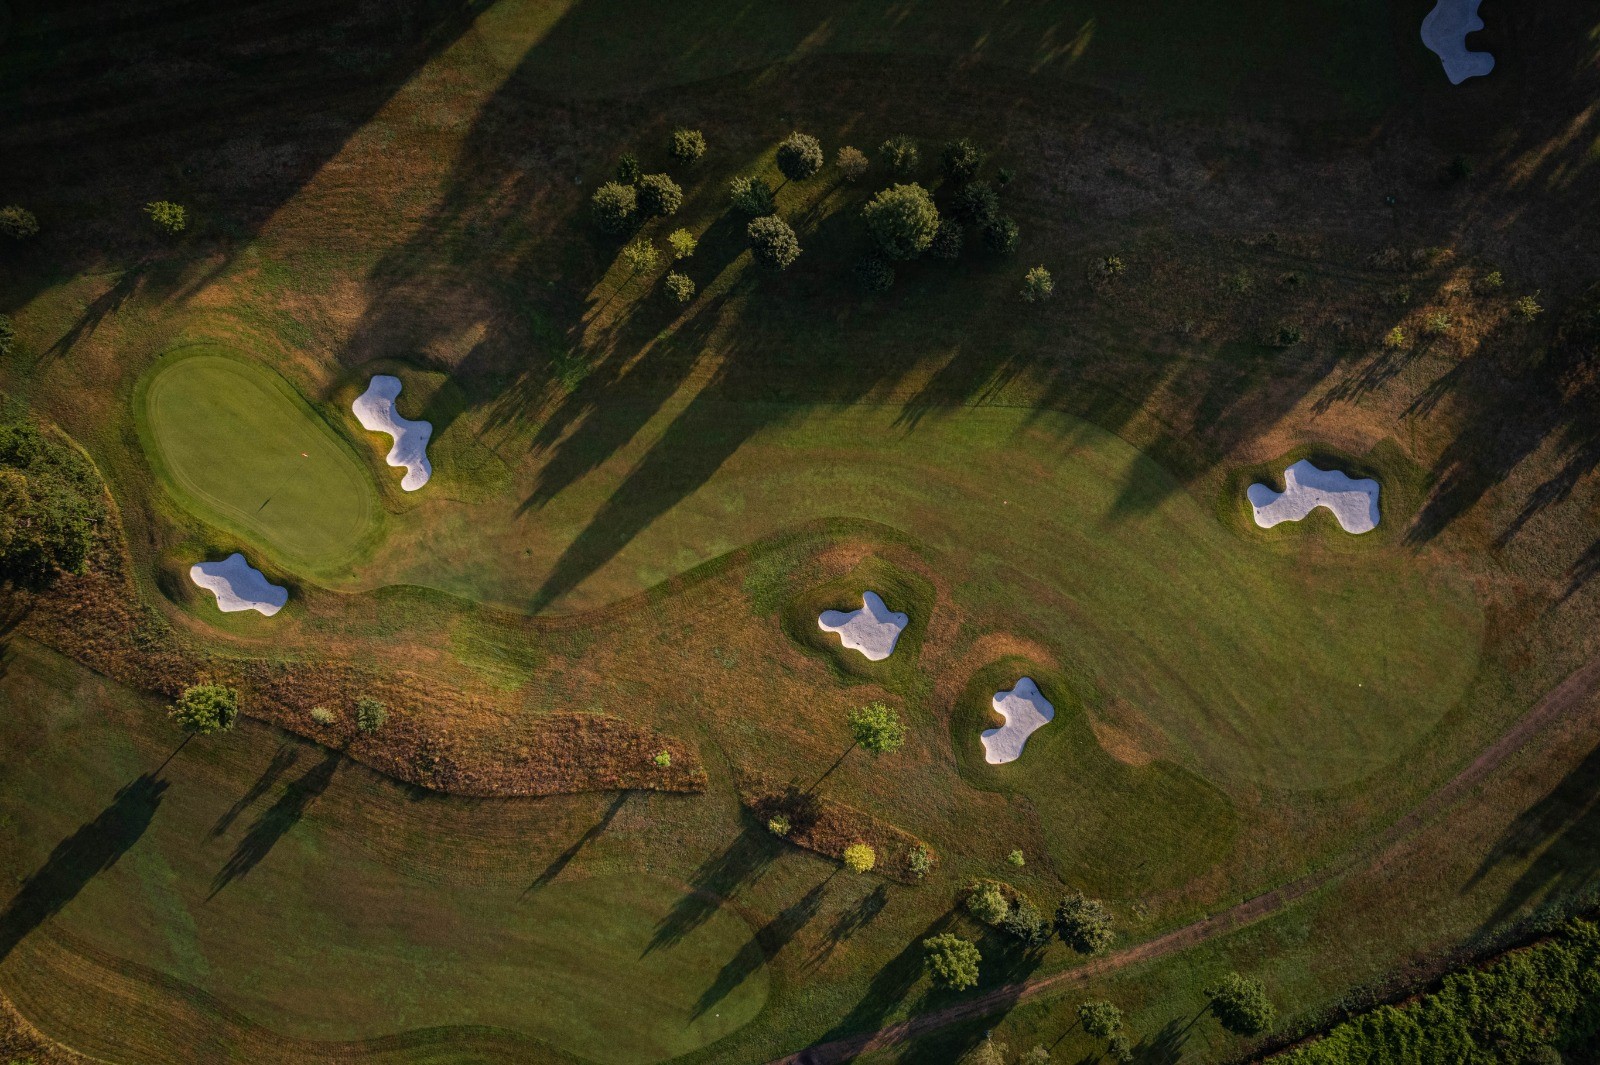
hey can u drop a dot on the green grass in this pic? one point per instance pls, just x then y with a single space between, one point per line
253 882
237 446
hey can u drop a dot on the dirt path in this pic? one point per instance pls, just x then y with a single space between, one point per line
1557 706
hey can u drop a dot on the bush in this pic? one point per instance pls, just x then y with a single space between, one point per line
1395 338
961 160
1436 324
18 223
752 196
370 714
682 243
920 861
1527 308
876 728
1026 923
1017 858
779 825
679 286
1000 236
852 163
688 145
8 336
773 242
860 858
987 1052
901 155
614 206
902 220
662 760
1241 1004
640 255
1036 1056
799 156
1119 1048
987 902
1490 282
874 273
946 244
323 716
1084 924
976 204
50 502
1282 335
1103 269
171 218
1038 285
628 169
659 196
952 961
205 708
1100 1019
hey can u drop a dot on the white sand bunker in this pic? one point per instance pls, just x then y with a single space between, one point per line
872 630
1445 30
1026 711
1305 487
375 410
239 586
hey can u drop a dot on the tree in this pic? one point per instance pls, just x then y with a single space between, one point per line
799 156
659 196
874 273
171 218
640 255
1084 924
1100 1019
947 241
961 160
877 728
1037 1056
1026 923
901 154
1000 236
50 500
628 169
988 903
1240 1002
614 206
1395 338
682 243
752 196
976 204
18 223
860 858
773 242
952 961
1526 308
679 286
370 714
1119 1048
920 861
1038 285
987 1052
205 708
852 163
1017 858
779 825
902 220
688 145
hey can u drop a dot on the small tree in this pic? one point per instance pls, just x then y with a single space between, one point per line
779 825
773 242
752 196
799 156
877 728
640 255
1436 324
947 241
682 243
1038 285
679 286
852 163
1100 1019
659 196
688 145
1394 338
662 759
952 961
988 903
1084 924
920 861
1240 1002
628 169
901 154
902 220
1119 1048
18 223
614 206
961 160
874 273
171 218
1000 236
976 204
860 858
1526 308
1016 858
205 708
370 714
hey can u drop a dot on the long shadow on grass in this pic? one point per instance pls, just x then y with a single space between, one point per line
562 860
718 878
79 858
276 822
889 986
282 759
765 944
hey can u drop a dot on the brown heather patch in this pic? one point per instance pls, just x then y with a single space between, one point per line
22 1042
828 827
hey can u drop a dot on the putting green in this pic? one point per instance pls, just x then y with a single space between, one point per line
240 448
260 892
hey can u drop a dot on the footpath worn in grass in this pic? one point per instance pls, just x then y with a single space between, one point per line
239 447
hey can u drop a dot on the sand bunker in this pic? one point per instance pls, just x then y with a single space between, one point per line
374 408
239 586
872 630
1305 487
1445 30
1026 711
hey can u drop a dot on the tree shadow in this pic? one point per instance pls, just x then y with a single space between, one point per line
714 883
282 759
562 860
764 945
276 822
889 986
78 859
849 922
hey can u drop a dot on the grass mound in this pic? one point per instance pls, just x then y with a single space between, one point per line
239 448
902 591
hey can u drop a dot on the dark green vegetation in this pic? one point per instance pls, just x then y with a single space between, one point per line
50 503
1258 246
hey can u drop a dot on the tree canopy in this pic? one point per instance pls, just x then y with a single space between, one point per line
205 708
877 728
799 156
902 220
1084 924
952 961
1241 1004
50 502
773 242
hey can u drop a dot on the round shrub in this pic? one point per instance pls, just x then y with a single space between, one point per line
976 204
614 205
323 716
902 220
1000 236
874 273
752 196
773 242
682 243
205 708
1038 285
779 825
852 163
1241 1004
952 961
628 169
171 218
961 160
860 858
18 223
662 760
947 241
988 903
688 145
901 154
679 286
658 196
1084 924
370 714
799 156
